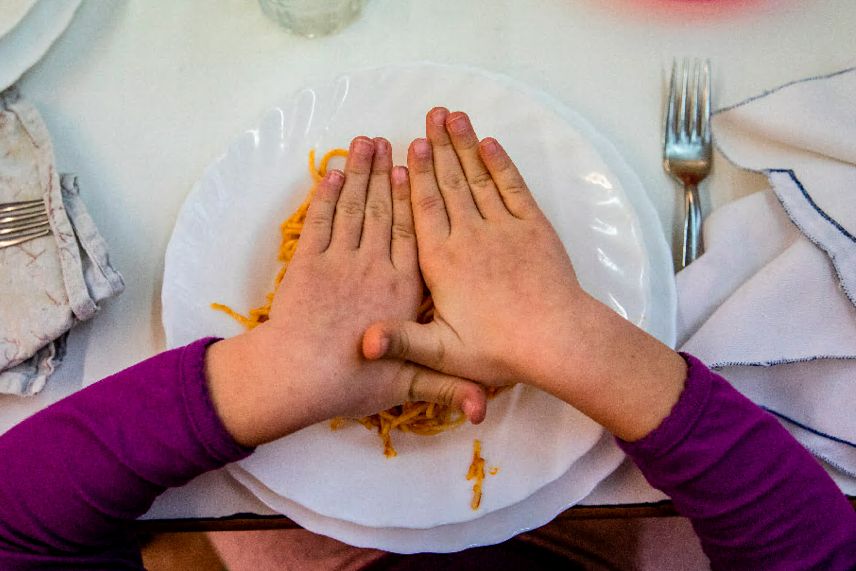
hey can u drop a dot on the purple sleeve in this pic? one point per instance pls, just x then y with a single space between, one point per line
73 476
756 498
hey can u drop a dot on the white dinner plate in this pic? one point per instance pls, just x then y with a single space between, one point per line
495 527
30 38
12 12
224 244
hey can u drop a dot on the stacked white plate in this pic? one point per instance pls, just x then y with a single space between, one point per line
339 483
27 29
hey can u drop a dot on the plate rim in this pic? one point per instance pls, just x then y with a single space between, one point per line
12 23
48 28
426 540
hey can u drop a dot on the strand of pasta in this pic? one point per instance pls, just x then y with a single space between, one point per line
476 472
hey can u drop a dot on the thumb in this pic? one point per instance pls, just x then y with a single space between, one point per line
430 386
408 340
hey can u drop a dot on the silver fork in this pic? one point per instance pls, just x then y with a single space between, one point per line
686 144
23 221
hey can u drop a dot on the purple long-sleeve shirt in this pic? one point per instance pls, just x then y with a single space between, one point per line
73 476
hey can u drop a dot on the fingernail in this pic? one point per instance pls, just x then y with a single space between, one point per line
490 146
438 116
421 148
362 146
458 123
399 175
381 146
335 177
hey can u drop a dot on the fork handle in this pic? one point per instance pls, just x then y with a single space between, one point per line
693 246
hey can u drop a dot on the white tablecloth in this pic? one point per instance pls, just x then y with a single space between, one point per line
140 96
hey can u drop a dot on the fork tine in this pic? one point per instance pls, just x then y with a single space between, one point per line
669 128
27 209
695 102
705 102
23 229
18 206
11 218
6 242
683 131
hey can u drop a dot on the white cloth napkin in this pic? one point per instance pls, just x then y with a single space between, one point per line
770 305
48 284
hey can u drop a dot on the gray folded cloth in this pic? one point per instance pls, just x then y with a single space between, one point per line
49 284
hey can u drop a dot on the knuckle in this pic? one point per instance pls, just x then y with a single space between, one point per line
326 192
393 287
377 210
350 208
536 234
381 168
446 393
440 355
422 166
452 180
402 231
430 203
359 167
404 345
401 197
516 187
481 180
467 142
413 391
503 162
317 221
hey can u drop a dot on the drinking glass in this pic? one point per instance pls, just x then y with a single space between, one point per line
312 18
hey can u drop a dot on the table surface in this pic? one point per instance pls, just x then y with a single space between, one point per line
141 96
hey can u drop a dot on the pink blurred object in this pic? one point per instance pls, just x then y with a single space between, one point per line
692 9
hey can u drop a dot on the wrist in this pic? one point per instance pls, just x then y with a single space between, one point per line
615 373
573 347
243 382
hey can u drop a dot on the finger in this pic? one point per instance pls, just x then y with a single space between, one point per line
403 251
378 218
515 194
430 386
408 340
481 184
315 236
348 221
429 210
450 176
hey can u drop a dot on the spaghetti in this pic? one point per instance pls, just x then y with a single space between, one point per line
290 230
476 472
